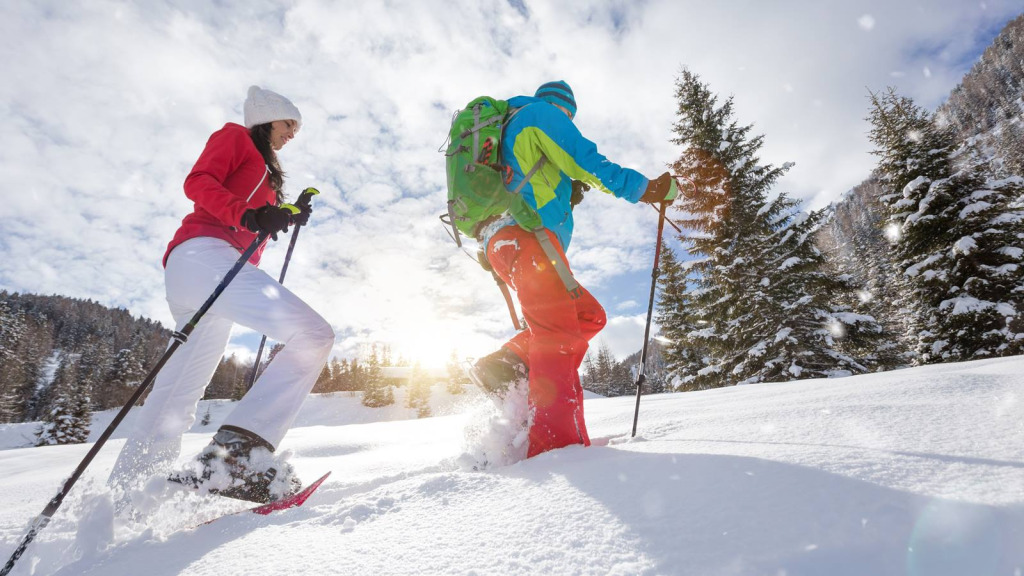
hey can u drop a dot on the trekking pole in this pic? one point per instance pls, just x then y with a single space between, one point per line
669 220
44 518
642 372
303 201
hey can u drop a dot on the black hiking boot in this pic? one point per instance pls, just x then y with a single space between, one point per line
239 464
498 372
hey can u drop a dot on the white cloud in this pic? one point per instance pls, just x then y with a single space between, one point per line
108 104
623 335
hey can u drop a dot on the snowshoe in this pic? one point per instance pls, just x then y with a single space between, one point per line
237 464
498 373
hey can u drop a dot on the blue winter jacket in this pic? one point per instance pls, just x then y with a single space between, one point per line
540 129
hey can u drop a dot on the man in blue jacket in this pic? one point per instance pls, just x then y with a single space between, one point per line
542 146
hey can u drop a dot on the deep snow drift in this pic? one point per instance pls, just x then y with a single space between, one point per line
916 471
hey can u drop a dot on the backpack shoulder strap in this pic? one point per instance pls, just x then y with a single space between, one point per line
571 285
537 166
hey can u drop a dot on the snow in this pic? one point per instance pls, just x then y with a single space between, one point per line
789 263
49 371
1011 251
964 245
964 305
973 208
916 268
852 318
916 471
913 185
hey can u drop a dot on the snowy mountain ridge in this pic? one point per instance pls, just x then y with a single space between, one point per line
916 471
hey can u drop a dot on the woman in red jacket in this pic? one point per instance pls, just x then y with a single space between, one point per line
236 186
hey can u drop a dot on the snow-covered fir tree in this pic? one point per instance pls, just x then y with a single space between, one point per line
12 326
603 375
762 296
986 107
377 391
683 359
958 235
68 416
853 238
656 376
123 377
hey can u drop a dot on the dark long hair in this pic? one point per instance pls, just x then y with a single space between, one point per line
260 135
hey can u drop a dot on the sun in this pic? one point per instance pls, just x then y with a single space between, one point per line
433 348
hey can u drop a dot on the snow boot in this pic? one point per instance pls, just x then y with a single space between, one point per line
239 464
498 372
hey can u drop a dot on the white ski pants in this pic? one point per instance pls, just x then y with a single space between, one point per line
253 299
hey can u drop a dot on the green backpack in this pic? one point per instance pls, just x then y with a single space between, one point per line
476 174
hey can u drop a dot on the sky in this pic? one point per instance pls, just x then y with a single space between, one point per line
914 472
108 104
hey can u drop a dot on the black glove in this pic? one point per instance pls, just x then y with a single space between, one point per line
302 218
269 219
662 189
578 188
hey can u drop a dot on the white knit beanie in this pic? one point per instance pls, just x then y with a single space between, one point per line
262 106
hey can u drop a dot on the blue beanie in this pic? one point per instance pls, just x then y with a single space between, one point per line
558 92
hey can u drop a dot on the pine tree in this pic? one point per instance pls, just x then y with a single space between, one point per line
341 374
324 382
10 405
683 360
859 252
242 384
622 381
125 375
377 390
760 298
601 378
589 369
357 375
959 236
419 392
227 379
12 329
457 379
67 419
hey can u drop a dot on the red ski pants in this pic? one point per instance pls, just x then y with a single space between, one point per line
555 341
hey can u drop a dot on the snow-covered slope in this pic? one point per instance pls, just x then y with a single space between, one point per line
917 471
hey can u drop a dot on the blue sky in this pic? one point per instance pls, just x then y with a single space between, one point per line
108 104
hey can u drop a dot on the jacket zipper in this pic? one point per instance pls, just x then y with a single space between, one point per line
253 193
266 170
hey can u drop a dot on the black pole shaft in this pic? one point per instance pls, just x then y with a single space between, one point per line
280 280
642 372
43 519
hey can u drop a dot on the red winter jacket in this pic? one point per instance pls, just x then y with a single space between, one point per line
229 178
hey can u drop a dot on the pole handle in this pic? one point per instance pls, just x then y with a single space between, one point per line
306 197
